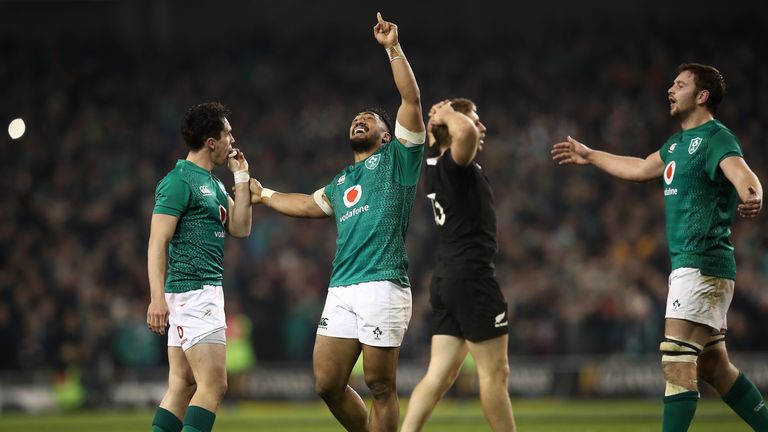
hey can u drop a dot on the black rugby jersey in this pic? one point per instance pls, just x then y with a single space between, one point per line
463 207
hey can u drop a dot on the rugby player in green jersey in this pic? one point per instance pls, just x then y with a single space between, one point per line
704 174
192 215
368 306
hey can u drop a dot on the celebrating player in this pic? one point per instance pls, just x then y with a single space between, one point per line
704 174
192 214
368 306
469 311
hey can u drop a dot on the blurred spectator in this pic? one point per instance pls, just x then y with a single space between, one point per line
583 268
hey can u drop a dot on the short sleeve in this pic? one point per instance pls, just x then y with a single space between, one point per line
406 161
666 148
172 197
722 144
329 192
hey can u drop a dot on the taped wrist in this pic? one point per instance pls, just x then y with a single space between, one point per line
242 176
266 192
395 52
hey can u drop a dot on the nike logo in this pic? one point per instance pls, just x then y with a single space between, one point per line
499 318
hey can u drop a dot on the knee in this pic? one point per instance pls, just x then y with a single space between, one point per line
708 368
183 387
715 368
497 372
328 390
381 387
218 388
679 359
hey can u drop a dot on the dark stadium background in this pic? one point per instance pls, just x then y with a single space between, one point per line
101 86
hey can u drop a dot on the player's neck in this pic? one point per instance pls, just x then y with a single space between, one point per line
202 159
364 155
696 118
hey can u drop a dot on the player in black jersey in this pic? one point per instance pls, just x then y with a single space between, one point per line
469 310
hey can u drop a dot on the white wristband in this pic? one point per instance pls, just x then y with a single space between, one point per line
395 52
318 196
266 193
242 176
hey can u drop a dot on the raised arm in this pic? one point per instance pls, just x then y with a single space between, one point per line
240 214
624 167
299 205
409 114
464 135
161 231
746 183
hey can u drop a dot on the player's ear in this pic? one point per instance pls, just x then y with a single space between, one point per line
702 96
210 143
386 137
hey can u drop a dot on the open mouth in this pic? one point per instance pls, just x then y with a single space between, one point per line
359 130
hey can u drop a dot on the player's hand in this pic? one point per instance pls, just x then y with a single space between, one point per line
236 161
385 32
570 152
256 189
439 110
751 206
157 316
430 134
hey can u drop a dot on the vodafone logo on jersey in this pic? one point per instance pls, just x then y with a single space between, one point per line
669 173
222 214
352 195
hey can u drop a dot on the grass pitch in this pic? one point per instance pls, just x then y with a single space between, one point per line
540 415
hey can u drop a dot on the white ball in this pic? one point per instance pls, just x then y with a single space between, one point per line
17 128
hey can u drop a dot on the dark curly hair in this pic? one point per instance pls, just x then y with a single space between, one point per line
383 116
203 121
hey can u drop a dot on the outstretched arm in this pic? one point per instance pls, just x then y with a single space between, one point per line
624 167
746 183
299 205
409 113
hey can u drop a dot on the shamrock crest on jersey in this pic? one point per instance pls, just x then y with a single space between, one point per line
694 145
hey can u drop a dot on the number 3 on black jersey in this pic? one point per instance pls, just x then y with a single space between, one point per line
437 210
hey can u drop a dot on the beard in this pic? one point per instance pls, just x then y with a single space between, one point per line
362 145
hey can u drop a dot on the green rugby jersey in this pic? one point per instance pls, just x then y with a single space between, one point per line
372 202
699 200
196 251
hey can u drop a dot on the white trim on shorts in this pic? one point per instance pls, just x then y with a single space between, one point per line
375 313
195 314
698 298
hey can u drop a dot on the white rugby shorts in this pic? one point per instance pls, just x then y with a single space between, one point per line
698 298
195 315
375 313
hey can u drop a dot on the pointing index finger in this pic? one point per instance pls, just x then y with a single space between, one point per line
378 17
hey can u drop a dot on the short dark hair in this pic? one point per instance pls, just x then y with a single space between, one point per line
383 116
440 132
707 78
203 121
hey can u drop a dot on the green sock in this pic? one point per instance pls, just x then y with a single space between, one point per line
745 399
678 411
165 421
198 419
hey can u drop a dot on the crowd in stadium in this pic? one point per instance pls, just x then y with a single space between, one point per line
583 260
